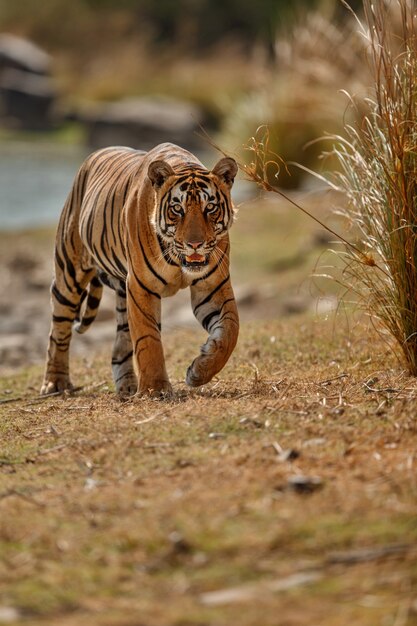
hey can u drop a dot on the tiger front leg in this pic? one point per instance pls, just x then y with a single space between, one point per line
216 310
144 315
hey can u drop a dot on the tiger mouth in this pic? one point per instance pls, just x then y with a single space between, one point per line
194 261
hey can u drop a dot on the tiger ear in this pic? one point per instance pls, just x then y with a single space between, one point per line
159 171
226 170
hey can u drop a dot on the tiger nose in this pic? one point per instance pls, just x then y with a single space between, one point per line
194 244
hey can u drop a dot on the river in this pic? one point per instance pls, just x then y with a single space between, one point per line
35 178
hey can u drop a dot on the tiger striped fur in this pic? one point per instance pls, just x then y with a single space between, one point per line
146 225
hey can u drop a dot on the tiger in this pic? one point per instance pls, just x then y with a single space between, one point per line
145 224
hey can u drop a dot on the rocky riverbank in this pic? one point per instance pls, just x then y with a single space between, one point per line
26 268
269 282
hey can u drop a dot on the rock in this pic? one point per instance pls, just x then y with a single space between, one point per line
26 100
304 484
27 95
22 54
142 123
288 455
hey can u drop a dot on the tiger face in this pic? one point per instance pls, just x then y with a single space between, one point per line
193 209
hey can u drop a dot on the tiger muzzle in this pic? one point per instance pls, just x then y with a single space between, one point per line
195 260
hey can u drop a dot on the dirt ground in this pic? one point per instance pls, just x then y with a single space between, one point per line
282 493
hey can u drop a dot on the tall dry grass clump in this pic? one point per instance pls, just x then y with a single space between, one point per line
377 174
378 162
298 95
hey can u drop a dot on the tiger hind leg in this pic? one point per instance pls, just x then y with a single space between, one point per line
67 293
124 375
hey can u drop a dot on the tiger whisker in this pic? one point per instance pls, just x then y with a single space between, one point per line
163 256
219 257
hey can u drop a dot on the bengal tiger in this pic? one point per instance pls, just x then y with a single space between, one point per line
145 224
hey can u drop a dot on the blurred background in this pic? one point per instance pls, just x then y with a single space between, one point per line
76 76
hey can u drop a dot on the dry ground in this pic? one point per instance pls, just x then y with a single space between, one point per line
186 512
283 493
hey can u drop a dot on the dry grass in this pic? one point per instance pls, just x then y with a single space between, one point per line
299 97
378 175
141 513
128 513
186 513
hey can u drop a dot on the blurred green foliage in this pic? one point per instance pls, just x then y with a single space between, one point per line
190 24
245 63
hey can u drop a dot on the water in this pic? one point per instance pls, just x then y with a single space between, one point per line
35 179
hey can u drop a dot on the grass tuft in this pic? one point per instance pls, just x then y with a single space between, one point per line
378 174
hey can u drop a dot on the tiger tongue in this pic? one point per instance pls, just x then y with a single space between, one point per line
195 258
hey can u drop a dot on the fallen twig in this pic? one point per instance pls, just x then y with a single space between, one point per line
53 449
381 389
251 591
8 400
162 413
351 557
23 496
65 392
330 380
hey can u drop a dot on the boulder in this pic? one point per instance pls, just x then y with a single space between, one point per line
26 100
143 123
21 54
27 95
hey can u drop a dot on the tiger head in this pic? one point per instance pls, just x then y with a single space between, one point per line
193 208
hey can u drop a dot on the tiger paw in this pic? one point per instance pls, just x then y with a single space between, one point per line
197 374
128 387
56 385
156 389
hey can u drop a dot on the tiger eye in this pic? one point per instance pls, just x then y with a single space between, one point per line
176 210
211 208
